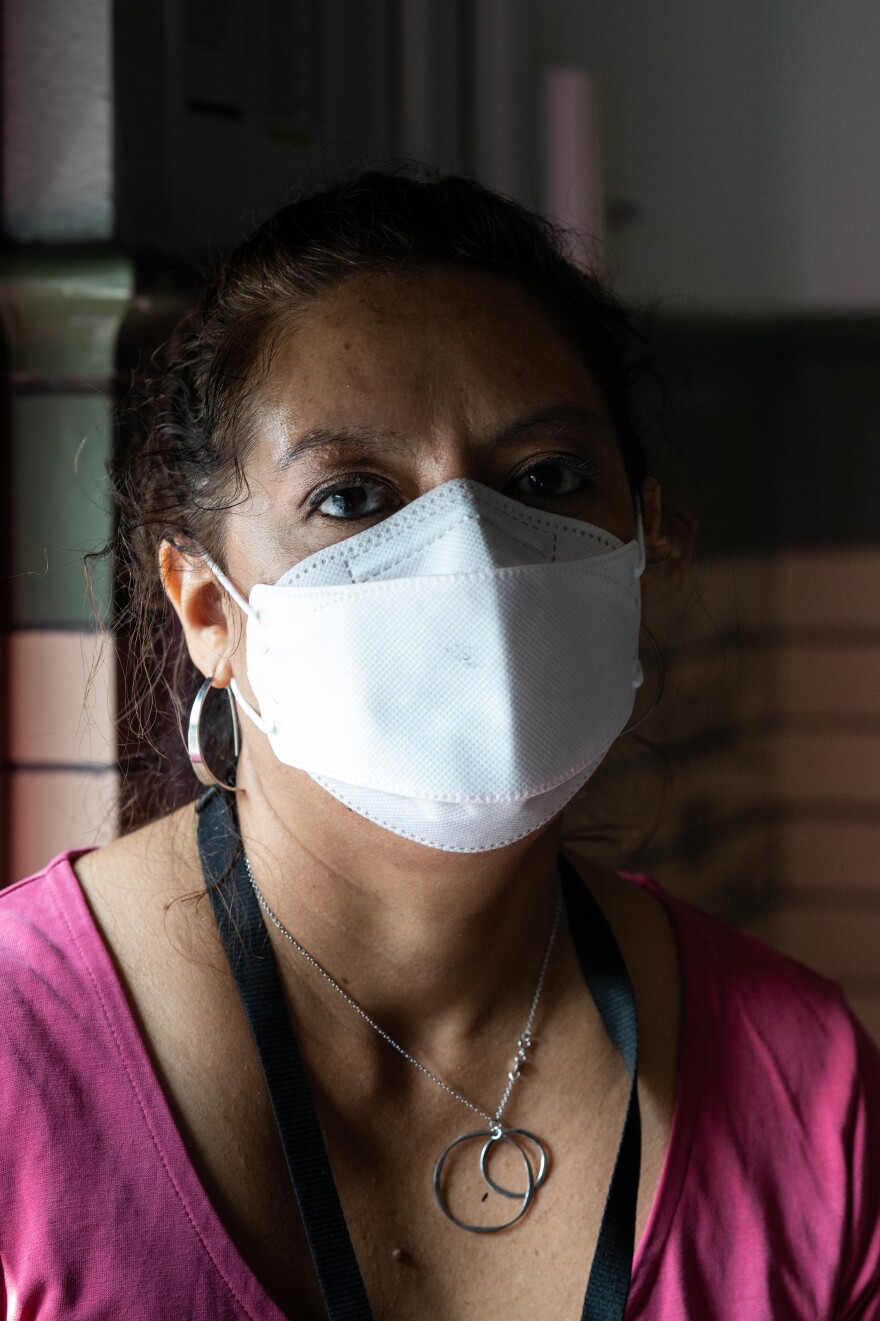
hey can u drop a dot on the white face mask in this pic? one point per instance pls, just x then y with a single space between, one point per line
454 673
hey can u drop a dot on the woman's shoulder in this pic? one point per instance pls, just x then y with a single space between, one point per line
53 967
64 908
777 1088
88 1137
32 892
772 1056
43 920
763 1018
61 1019
736 979
759 1033
75 935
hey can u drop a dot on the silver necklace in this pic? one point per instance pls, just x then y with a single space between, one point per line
531 1150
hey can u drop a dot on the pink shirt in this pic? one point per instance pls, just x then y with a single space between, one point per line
768 1206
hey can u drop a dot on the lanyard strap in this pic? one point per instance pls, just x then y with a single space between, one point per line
248 948
607 979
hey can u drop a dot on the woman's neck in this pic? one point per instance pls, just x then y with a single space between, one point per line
435 946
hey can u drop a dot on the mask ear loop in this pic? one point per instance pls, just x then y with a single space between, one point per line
661 683
661 663
233 591
638 674
640 540
248 610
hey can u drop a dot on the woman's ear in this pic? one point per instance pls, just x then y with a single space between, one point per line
199 604
669 526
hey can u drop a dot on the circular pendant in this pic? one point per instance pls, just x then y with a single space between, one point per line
490 1137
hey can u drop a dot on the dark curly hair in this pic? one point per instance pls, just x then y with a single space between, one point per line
180 462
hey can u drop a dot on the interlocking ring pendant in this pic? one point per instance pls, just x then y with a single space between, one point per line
513 1137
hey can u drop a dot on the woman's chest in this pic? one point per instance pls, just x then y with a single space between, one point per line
384 1140
414 1260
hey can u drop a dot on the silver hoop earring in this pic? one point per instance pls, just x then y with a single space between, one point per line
194 743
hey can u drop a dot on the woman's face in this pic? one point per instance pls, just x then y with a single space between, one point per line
382 390
389 386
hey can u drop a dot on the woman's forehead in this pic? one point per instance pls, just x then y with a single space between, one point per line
428 341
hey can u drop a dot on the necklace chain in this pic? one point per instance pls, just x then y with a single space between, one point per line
523 1044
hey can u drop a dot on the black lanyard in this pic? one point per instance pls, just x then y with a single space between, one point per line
246 941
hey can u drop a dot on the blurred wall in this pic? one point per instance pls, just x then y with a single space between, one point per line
63 293
745 137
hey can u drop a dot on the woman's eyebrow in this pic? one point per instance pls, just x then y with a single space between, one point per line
328 438
556 417
561 417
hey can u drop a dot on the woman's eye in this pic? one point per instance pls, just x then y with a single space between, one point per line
553 477
358 500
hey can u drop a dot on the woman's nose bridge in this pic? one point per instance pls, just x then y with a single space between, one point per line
457 454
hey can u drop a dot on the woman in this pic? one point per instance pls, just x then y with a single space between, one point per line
394 495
